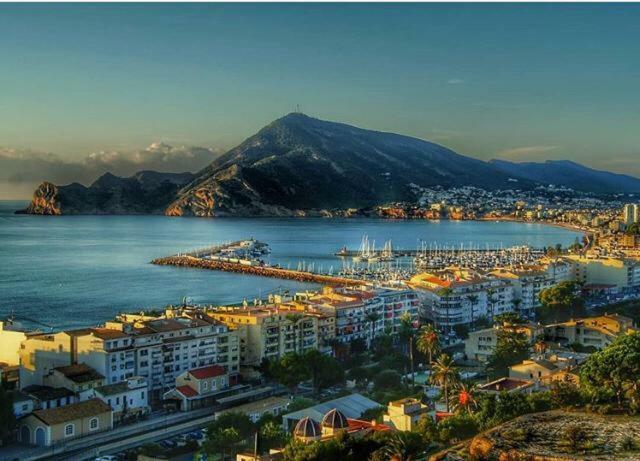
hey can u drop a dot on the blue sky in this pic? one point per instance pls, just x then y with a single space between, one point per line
516 81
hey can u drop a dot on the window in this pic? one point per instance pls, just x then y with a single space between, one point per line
142 395
205 384
117 400
93 424
69 430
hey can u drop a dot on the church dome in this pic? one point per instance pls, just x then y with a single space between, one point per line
307 428
334 419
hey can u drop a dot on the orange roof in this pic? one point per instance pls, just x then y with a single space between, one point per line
107 333
207 372
358 425
186 391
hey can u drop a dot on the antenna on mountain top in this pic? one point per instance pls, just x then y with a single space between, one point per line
298 110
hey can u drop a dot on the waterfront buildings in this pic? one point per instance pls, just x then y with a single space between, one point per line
481 343
460 297
597 332
614 272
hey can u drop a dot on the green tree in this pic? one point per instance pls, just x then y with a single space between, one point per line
325 371
387 380
445 374
226 441
511 347
429 341
511 318
616 369
560 303
457 427
407 333
271 435
372 317
403 446
290 370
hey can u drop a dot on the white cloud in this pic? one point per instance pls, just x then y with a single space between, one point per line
455 81
525 151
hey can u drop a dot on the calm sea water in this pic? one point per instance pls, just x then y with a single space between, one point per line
72 271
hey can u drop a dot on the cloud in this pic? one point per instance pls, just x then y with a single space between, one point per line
525 152
22 169
455 81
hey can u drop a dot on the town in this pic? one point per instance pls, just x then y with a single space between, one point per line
380 367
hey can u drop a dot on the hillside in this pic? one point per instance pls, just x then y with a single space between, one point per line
299 163
146 192
570 174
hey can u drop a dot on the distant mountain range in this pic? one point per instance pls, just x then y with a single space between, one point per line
299 165
570 174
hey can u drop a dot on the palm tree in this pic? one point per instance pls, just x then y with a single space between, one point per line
445 374
407 333
491 301
372 317
465 400
403 446
428 341
444 294
473 300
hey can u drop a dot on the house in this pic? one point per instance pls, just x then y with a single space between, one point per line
48 427
481 343
404 414
9 375
48 397
333 423
255 410
79 378
597 332
533 369
198 388
507 385
23 404
128 398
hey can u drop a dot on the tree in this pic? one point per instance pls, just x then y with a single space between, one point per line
290 370
428 341
560 303
465 401
616 369
271 435
444 294
473 300
511 318
445 374
457 427
7 418
407 332
224 441
403 446
511 347
372 317
325 371
387 380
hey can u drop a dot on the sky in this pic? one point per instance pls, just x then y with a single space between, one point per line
85 88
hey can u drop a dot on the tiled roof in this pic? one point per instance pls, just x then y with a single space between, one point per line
207 372
186 391
79 373
45 393
71 412
108 333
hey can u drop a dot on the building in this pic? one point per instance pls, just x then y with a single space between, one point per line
126 399
507 385
623 273
269 332
333 422
481 343
274 406
404 414
47 397
10 340
352 406
158 348
461 297
596 332
198 388
630 213
23 404
79 378
527 284
52 426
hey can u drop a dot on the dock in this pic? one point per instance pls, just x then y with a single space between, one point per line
254 269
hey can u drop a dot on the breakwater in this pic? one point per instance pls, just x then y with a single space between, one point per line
254 269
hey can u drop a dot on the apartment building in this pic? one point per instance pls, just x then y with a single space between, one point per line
481 343
460 297
619 272
597 332
158 348
527 285
271 331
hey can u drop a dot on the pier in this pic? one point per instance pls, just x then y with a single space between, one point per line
254 269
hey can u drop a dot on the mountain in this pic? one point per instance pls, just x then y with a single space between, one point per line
570 174
146 192
298 163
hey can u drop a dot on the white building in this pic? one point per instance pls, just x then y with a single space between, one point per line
130 397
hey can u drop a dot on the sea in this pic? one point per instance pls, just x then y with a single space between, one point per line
59 272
